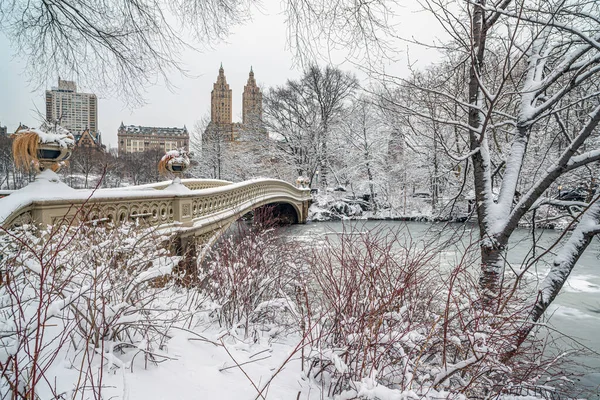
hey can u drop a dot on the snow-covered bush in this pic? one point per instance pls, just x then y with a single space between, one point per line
378 315
383 315
250 278
87 298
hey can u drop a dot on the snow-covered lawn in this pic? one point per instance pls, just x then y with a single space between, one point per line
199 369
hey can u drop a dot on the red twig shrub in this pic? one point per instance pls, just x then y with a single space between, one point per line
82 295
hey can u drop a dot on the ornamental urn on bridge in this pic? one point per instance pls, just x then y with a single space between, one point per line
48 147
174 162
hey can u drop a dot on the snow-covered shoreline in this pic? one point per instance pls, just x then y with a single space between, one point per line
339 207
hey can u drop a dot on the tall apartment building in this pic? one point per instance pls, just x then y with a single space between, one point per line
220 100
251 101
137 139
221 108
74 111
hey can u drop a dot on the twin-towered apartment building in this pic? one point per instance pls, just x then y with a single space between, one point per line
221 99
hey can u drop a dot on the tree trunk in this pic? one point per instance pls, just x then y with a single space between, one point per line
434 178
371 188
492 261
492 273
323 164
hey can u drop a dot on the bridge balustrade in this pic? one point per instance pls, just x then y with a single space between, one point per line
213 203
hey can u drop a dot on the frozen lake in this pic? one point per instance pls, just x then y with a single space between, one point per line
575 312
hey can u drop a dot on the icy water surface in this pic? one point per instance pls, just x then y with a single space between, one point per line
575 312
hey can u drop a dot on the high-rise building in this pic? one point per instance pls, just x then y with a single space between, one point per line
251 101
77 112
136 139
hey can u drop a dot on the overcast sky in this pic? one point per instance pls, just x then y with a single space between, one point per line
260 43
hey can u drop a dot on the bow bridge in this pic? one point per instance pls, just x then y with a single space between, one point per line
194 208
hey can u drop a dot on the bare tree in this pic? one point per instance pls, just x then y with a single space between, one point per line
362 30
6 161
86 161
292 118
212 141
328 88
122 47
113 46
301 114
141 167
363 130
532 76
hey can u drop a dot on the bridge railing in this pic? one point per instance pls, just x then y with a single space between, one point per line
158 207
190 183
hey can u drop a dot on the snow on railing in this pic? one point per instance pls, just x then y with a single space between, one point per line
190 183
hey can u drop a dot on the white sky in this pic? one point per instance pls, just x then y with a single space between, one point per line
261 43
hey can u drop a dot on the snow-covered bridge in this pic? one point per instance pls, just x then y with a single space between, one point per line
191 207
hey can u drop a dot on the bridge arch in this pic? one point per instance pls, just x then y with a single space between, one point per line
277 213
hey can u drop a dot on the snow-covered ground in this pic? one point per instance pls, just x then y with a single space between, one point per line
208 362
259 323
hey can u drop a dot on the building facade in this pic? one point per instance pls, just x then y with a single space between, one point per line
137 139
76 112
221 99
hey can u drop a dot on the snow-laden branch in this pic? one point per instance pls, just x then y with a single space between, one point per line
565 106
536 111
518 149
566 162
558 203
552 22
431 117
458 158
450 370
583 159
567 257
437 92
